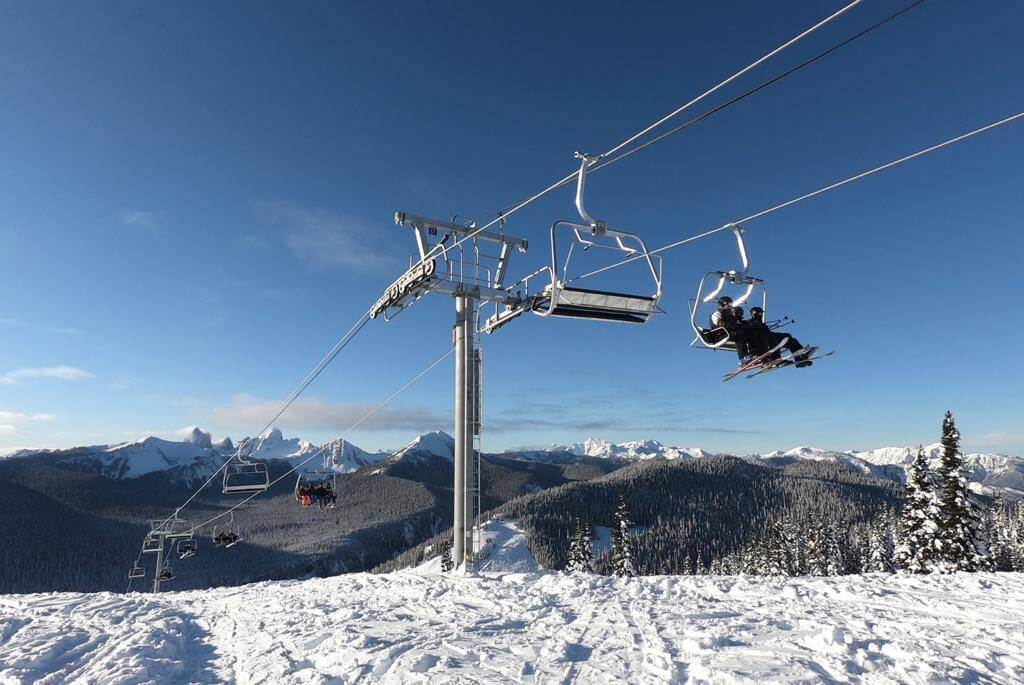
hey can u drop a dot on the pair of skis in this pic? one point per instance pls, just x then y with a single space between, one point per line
760 364
811 356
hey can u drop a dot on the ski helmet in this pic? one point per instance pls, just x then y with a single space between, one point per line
724 301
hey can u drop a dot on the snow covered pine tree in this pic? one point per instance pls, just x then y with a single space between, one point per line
446 556
880 547
622 541
580 551
919 528
962 544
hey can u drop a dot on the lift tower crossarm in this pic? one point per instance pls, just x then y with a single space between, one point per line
433 226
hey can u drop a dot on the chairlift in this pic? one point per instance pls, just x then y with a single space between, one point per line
705 299
167 573
152 544
224 534
242 476
311 486
136 572
559 299
187 548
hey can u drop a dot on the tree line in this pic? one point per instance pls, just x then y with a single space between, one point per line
938 526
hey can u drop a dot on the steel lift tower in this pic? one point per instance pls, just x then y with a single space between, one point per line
470 272
469 265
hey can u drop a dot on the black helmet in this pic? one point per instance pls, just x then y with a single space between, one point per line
756 311
724 301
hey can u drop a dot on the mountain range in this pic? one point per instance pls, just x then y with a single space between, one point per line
196 456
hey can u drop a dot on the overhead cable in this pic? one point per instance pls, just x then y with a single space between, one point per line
807 196
674 113
288 401
320 451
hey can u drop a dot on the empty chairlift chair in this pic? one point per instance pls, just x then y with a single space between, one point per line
241 476
559 299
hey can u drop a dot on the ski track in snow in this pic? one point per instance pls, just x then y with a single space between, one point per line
421 627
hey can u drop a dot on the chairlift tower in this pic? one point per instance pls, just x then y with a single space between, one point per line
469 266
454 260
160 532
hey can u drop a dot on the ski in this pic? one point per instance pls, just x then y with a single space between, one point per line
754 363
768 368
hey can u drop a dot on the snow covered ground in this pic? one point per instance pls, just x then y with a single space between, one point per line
420 627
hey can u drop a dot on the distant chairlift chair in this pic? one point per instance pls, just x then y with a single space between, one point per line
224 534
326 476
559 299
242 476
186 548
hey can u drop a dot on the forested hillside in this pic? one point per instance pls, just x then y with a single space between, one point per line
689 513
67 526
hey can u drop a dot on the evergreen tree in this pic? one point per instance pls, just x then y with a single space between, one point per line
581 551
622 541
919 528
835 560
818 552
1000 541
880 554
446 556
962 546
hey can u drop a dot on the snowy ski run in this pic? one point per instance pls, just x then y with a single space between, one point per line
423 627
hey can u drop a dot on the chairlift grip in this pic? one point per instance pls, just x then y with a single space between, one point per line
741 246
596 225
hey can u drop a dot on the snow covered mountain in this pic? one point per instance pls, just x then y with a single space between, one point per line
425 447
272 445
988 472
196 456
637 449
344 457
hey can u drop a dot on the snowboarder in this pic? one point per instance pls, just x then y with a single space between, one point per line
759 339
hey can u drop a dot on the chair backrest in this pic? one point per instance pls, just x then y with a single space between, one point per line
242 476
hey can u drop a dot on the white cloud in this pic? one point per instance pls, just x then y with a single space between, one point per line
19 417
314 414
10 421
15 323
255 242
134 218
997 440
122 383
62 373
326 239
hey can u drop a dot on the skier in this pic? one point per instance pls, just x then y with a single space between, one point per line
225 538
759 339
727 320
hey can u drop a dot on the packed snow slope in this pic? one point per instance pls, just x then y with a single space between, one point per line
533 628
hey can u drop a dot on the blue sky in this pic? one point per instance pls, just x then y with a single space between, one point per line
196 202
